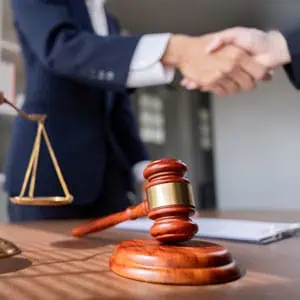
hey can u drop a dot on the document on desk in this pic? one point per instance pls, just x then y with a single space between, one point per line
230 229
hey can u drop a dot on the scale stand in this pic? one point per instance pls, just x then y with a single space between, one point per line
7 248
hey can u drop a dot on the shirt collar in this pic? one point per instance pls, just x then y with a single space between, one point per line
96 3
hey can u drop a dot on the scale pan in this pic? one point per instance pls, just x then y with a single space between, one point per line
42 201
7 249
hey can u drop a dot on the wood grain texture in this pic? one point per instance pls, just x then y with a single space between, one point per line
66 268
192 263
163 171
172 224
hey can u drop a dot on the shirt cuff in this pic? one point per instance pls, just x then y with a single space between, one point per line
138 170
146 68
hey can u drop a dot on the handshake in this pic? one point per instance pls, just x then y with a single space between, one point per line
228 61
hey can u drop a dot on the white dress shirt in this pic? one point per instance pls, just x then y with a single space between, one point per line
145 69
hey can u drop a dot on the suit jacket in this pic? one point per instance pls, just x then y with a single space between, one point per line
293 69
78 79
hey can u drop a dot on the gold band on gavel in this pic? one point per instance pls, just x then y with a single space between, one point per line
172 193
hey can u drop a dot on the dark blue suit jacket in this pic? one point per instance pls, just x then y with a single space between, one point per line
78 79
293 69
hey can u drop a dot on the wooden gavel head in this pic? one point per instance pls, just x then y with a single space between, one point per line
170 201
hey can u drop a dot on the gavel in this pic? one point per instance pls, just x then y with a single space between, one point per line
169 202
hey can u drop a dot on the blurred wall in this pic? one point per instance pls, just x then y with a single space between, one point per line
6 122
201 16
257 148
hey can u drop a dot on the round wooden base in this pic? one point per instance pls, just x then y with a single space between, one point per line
190 263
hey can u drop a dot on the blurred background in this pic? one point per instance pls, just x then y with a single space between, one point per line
243 152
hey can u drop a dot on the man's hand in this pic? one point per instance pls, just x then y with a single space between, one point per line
230 66
268 48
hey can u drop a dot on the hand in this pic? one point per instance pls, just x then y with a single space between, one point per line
269 48
230 65
244 77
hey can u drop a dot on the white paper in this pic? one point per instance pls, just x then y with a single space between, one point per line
229 229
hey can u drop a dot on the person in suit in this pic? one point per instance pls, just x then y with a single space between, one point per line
80 72
273 49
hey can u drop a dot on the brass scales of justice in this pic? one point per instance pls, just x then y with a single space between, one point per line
7 248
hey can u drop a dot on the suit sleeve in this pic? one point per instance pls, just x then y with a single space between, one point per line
293 69
126 132
49 31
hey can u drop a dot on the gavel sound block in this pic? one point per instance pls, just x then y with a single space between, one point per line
171 258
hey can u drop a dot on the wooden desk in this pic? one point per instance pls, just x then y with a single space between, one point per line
55 266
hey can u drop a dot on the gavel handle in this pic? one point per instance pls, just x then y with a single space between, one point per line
130 213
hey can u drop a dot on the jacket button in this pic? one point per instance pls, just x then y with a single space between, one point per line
110 76
93 74
101 75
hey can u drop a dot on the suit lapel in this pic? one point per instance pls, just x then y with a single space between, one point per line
110 24
80 13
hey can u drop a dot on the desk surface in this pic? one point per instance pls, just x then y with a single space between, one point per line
55 266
